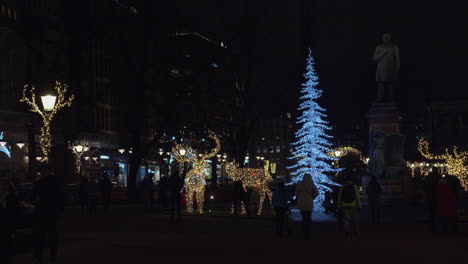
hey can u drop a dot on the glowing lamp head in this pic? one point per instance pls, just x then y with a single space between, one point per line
86 158
161 152
20 145
79 148
337 153
85 149
39 158
3 143
121 150
224 156
182 152
219 156
48 102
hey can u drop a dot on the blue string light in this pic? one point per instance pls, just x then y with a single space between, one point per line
312 145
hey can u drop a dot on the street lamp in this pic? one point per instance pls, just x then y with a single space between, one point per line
48 102
182 152
20 145
337 153
161 152
78 149
51 105
121 150
2 143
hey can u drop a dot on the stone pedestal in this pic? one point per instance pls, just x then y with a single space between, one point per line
386 118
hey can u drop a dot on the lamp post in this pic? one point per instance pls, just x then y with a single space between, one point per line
51 104
78 150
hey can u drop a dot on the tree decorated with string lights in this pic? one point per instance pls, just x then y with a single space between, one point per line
62 101
313 143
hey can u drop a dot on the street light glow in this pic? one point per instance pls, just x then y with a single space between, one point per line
48 102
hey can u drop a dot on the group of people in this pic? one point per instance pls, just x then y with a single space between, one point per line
245 199
348 203
89 190
170 193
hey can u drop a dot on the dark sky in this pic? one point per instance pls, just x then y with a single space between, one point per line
343 34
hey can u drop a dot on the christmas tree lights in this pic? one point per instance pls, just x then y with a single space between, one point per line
254 178
312 146
195 179
47 116
455 161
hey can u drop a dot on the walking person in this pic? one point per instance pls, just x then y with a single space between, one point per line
93 195
49 203
9 212
280 201
164 192
147 190
106 189
373 192
446 206
84 182
238 195
176 183
349 201
306 192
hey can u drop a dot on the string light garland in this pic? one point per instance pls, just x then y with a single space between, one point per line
29 98
253 178
455 161
78 150
195 178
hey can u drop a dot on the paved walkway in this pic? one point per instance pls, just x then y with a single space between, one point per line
129 236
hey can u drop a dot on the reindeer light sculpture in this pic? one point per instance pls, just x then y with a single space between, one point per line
195 179
250 177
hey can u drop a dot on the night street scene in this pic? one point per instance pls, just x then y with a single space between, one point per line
320 131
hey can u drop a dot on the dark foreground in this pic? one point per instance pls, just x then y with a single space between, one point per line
129 236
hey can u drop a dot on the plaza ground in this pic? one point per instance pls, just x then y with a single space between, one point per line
127 235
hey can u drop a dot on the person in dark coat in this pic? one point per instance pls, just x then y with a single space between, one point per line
238 196
373 192
49 203
9 212
93 195
446 206
84 182
430 183
176 183
280 200
106 189
147 187
164 192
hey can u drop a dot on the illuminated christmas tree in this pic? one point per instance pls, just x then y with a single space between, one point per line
312 146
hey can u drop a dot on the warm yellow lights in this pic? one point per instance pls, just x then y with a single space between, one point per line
78 151
455 161
50 110
195 179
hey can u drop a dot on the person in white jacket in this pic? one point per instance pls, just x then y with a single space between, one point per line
306 192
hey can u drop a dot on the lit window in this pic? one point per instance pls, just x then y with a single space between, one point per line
278 149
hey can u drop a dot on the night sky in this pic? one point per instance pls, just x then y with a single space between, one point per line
343 34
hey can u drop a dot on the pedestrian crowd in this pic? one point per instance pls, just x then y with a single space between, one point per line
343 201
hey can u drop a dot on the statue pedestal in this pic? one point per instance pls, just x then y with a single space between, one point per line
386 118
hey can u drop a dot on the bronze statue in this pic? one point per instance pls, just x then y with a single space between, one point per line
387 57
